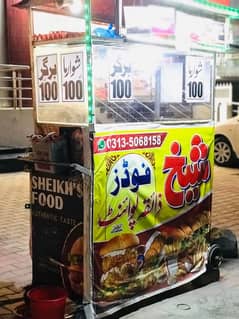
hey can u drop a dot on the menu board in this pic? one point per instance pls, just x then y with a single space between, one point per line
60 84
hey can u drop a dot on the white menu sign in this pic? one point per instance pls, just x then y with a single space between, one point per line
72 77
47 78
120 80
197 80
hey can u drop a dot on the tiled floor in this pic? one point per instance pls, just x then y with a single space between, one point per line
225 203
15 261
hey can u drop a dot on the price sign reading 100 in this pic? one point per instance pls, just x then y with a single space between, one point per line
72 68
197 83
120 81
47 77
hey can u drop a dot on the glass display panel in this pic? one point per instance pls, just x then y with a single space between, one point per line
143 83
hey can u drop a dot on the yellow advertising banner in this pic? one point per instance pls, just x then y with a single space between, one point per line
152 211
145 178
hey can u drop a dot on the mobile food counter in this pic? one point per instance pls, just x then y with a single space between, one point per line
121 185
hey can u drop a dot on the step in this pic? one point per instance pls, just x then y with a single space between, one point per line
12 149
9 161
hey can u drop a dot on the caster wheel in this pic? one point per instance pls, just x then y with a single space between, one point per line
214 258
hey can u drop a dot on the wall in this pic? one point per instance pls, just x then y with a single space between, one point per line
17 42
3 53
17 30
15 126
2 33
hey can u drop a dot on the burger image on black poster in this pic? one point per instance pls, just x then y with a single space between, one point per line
129 267
72 269
75 268
72 261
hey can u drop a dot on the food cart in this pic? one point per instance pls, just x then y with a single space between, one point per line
121 185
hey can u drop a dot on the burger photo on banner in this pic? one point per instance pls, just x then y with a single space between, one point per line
133 264
128 266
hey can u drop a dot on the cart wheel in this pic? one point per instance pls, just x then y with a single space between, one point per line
214 257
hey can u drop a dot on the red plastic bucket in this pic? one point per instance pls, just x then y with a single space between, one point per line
47 302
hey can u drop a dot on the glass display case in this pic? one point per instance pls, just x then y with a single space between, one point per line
145 83
151 44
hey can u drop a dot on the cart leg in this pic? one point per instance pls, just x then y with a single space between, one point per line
208 277
88 312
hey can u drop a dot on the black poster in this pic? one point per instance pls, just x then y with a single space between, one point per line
57 231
